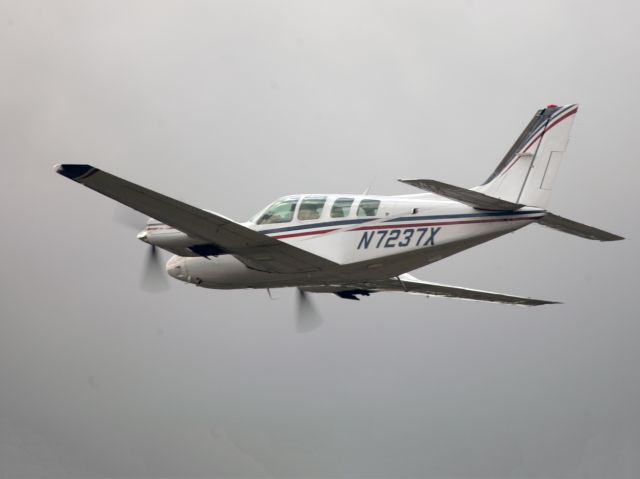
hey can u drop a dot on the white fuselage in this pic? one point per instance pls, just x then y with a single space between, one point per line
417 229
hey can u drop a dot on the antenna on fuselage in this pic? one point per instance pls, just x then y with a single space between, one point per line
368 188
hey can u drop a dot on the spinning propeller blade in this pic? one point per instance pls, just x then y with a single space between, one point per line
153 277
307 318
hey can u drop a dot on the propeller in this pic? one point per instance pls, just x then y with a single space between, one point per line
307 318
153 278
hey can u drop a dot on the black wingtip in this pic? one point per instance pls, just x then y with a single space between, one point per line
544 302
75 172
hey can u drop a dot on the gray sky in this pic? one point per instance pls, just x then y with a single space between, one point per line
228 105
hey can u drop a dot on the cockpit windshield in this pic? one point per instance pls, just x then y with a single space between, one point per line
281 211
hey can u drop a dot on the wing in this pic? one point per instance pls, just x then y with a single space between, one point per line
408 284
463 195
256 250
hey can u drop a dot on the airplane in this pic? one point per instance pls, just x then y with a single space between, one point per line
356 245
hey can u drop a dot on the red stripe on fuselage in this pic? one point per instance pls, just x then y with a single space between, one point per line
305 233
444 223
395 226
406 225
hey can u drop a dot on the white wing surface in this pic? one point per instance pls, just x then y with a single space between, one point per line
256 250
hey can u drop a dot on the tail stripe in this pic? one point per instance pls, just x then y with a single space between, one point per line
533 130
563 117
541 125
538 137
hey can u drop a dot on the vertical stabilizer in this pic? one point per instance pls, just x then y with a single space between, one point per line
526 173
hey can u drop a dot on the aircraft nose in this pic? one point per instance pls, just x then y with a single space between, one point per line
176 268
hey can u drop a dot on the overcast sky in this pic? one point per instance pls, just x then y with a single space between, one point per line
228 105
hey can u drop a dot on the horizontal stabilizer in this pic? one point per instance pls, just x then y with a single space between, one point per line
463 195
578 229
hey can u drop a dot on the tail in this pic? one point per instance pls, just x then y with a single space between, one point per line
526 173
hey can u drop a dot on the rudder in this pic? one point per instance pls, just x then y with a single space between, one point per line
526 173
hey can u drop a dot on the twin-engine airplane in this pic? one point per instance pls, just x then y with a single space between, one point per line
355 245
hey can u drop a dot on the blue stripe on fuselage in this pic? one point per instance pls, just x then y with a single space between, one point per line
404 218
465 215
317 225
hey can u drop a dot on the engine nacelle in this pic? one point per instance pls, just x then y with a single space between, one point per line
173 240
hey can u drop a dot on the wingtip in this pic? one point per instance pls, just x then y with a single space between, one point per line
539 302
74 172
614 237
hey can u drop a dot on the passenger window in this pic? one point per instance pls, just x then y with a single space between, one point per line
279 212
368 207
341 207
311 207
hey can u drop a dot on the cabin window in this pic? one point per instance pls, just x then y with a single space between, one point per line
279 212
341 207
311 207
368 207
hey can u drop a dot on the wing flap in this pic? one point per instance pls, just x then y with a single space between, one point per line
256 250
463 195
577 229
